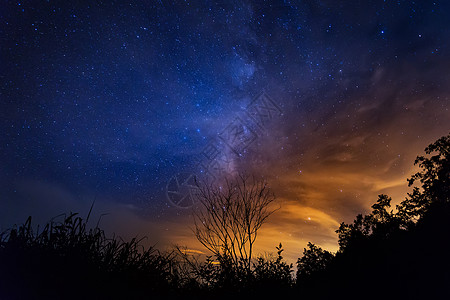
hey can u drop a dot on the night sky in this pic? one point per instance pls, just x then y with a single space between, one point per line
110 101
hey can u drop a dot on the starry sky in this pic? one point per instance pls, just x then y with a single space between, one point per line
109 101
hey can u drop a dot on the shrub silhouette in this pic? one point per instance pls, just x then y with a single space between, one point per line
220 278
273 273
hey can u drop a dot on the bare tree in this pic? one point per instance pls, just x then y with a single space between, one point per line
230 215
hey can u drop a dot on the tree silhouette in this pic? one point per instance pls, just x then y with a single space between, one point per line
314 259
434 178
312 270
381 222
409 246
230 216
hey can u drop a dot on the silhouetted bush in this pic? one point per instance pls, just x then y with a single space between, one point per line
272 277
221 278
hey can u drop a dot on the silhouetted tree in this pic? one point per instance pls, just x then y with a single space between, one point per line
434 178
382 221
229 217
408 247
314 259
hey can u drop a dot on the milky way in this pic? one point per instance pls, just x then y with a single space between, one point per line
107 101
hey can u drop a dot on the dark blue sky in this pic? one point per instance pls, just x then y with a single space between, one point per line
110 99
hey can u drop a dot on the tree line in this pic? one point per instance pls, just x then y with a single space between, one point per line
399 252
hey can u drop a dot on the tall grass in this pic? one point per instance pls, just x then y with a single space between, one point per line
67 259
